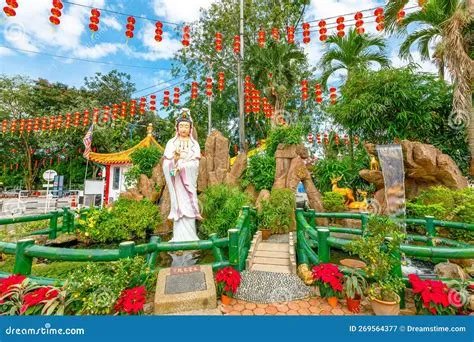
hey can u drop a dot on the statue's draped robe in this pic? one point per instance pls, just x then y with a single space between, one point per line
183 188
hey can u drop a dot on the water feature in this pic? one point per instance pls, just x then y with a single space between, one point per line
391 162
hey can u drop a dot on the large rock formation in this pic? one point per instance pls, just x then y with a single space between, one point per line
425 166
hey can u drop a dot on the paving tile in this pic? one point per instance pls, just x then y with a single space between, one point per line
292 312
250 306
304 304
314 301
325 313
259 311
282 307
239 307
293 306
226 309
304 311
280 314
337 312
262 305
315 309
235 313
271 310
247 313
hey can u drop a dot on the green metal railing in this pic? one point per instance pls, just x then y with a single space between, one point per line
310 236
238 243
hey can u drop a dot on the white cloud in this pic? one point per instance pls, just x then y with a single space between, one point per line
112 22
97 51
180 10
423 65
155 50
6 52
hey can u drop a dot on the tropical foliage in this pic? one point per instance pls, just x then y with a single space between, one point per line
277 213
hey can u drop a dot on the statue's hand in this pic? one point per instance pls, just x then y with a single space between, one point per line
177 155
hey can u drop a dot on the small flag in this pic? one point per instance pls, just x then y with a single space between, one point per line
88 142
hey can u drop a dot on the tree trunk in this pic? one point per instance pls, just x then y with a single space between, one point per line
29 170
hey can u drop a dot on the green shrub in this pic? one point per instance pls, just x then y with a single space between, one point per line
260 172
221 205
126 220
57 269
277 213
287 135
333 202
143 160
97 286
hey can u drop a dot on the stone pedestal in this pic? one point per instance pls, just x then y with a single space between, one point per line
180 289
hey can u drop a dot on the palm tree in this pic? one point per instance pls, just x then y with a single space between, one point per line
352 52
447 26
277 69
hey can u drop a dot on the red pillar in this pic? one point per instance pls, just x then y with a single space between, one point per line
107 184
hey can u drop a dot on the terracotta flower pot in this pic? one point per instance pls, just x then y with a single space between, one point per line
332 301
353 304
382 308
266 233
225 300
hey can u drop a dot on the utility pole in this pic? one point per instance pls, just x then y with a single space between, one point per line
240 90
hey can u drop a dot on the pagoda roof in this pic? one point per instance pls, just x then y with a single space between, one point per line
123 157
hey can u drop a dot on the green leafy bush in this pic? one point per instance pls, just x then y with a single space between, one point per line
221 205
333 202
143 160
97 286
126 220
57 269
277 213
260 172
287 135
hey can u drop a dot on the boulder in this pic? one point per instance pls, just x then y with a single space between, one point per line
286 151
147 188
237 170
158 178
264 195
296 172
302 151
203 177
132 194
165 207
373 176
450 271
281 173
314 198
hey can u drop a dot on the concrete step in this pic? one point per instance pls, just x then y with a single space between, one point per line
270 254
271 268
272 261
273 247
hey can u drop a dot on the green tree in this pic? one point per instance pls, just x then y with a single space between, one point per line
113 87
448 25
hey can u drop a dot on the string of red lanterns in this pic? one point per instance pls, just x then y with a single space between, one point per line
340 27
209 87
318 93
221 81
186 36
130 27
236 44
194 90
94 20
176 96
304 90
275 33
56 12
142 105
158 31
401 16
153 102
332 95
359 24
9 10
261 38
322 31
218 42
166 98
306 33
247 94
380 19
290 34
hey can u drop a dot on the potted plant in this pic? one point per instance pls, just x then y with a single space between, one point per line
354 287
227 282
328 278
276 215
379 248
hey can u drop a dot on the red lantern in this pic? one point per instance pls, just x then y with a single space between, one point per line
68 121
340 27
158 31
218 42
13 126
85 120
306 33
186 36
310 138
333 95
290 34
77 118
123 110
22 126
236 44
266 107
52 123
261 38
318 138
379 19
115 112
153 102
356 140
304 90
166 98
326 139
336 139
44 123
322 31
133 105
346 140
275 33
176 96
318 93
209 87
194 90
400 16
59 122
130 27
359 23
95 117
36 125
29 126
94 20
220 81
142 105
56 12
105 114
4 126
9 10
255 101
247 93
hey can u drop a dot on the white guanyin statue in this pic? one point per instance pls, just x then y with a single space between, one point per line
180 167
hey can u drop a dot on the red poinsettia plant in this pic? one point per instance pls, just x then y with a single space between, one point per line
434 297
227 280
329 280
131 301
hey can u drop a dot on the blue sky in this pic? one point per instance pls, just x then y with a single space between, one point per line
31 30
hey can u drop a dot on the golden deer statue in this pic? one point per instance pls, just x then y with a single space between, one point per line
346 192
362 204
374 164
